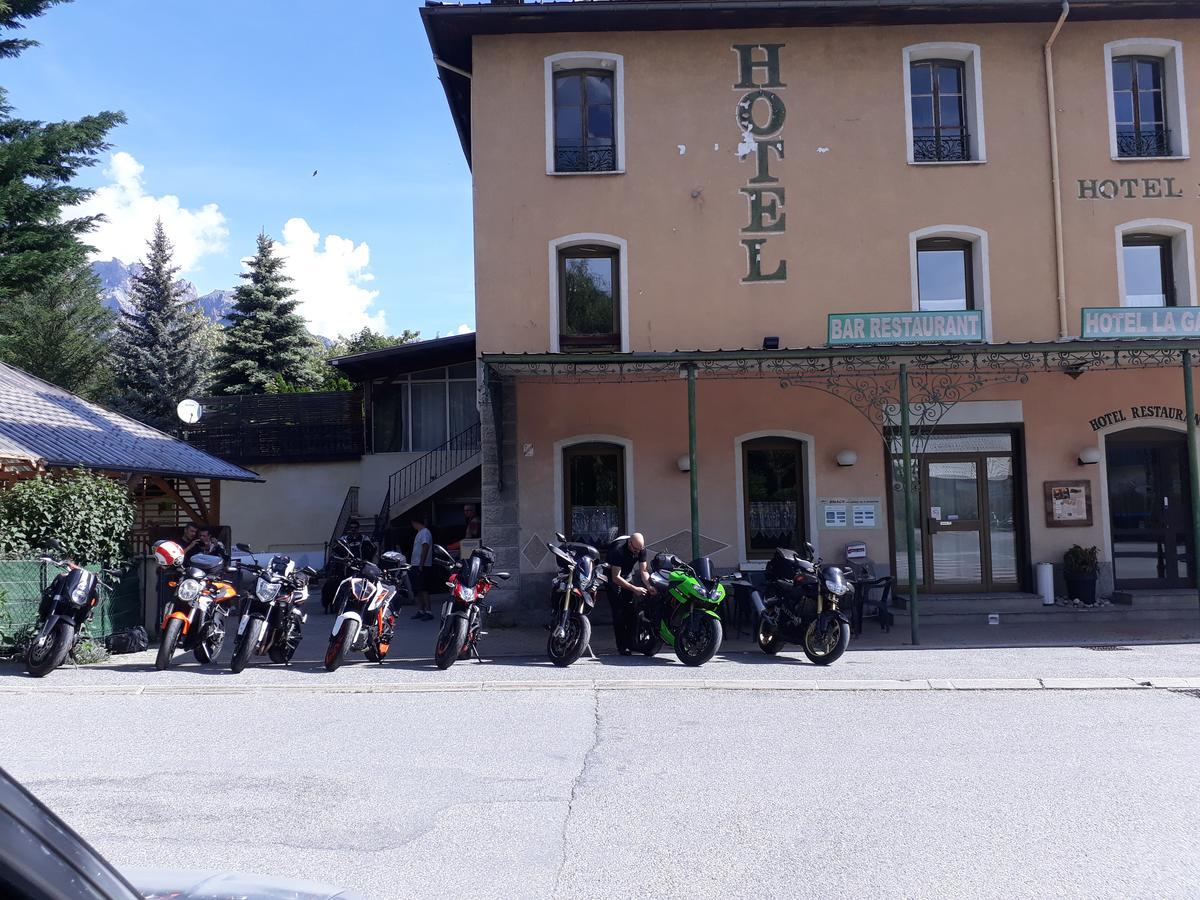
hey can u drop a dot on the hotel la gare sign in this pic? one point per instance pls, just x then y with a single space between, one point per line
951 327
1147 321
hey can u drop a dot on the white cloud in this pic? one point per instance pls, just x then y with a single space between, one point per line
464 329
131 212
330 279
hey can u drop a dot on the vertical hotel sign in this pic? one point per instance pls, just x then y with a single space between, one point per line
760 117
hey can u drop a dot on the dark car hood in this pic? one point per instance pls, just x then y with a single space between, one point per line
167 884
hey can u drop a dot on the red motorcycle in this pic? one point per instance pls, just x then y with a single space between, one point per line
464 614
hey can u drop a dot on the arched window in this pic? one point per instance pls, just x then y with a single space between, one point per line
1155 263
943 90
589 287
593 482
1147 113
584 110
774 498
949 271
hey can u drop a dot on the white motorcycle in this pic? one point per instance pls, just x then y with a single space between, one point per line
363 605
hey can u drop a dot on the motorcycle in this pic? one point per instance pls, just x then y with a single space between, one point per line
366 618
341 564
66 606
572 597
194 618
803 605
271 616
464 614
685 611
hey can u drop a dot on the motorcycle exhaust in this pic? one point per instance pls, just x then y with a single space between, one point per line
757 600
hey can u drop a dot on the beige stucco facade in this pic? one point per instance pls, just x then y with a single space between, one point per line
855 206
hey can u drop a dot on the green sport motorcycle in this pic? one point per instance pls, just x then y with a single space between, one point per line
685 611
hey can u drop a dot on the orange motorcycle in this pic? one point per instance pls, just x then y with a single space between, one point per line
194 617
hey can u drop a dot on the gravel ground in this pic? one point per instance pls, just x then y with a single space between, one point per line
634 793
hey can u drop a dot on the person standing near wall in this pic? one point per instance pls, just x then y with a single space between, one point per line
422 566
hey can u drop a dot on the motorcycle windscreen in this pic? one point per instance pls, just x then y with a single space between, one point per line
586 568
79 586
704 569
471 572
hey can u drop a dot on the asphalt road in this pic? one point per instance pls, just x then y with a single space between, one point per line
659 792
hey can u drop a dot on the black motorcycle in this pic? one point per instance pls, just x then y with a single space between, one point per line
464 614
67 604
572 597
271 615
802 605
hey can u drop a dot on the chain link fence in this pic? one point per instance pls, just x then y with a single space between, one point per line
21 585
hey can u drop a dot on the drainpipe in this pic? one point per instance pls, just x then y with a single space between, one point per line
1055 181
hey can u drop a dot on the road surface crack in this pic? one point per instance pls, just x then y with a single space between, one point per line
586 764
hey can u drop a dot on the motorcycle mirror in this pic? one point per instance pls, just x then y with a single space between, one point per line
309 571
562 538
245 548
503 576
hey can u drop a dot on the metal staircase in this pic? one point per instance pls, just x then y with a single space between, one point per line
427 474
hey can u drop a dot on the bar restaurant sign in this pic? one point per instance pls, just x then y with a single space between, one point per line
953 327
1150 321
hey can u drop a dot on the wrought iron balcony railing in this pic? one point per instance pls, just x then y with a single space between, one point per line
954 147
1147 142
573 158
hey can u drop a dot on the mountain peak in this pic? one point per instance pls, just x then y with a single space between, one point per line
115 282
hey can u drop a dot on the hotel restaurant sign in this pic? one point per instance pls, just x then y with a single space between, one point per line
951 327
1143 322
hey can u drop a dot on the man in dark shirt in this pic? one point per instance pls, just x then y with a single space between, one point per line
627 580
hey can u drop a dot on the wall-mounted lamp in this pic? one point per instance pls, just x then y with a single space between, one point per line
1089 456
847 458
770 343
685 463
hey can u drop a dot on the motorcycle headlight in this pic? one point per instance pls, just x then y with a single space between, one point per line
717 593
836 586
188 590
266 590
467 593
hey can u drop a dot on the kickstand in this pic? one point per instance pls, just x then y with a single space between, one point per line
591 652
475 653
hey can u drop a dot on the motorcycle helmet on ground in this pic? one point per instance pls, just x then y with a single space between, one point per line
168 553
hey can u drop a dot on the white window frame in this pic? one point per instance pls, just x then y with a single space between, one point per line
407 381
560 497
980 267
1183 255
970 55
594 239
587 59
810 489
1171 53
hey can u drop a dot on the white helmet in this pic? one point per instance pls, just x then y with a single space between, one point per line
168 553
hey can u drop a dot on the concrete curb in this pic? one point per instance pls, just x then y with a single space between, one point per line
800 685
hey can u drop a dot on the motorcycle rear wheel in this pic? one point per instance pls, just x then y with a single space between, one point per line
824 649
208 647
451 640
769 639
647 641
170 640
53 653
698 639
335 655
567 649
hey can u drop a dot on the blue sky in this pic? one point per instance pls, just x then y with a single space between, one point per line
232 106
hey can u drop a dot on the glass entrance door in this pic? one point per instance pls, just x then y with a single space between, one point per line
1150 506
968 514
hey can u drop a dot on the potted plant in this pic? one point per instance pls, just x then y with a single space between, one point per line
1080 571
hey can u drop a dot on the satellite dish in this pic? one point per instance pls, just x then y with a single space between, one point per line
188 411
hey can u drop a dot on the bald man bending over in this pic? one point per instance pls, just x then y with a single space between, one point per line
627 577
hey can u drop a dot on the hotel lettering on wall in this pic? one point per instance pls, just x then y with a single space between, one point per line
1140 321
760 116
1139 411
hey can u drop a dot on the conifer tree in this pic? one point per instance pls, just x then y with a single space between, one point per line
158 351
59 332
38 162
267 347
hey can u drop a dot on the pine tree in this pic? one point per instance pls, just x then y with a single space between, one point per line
38 162
267 346
59 332
158 351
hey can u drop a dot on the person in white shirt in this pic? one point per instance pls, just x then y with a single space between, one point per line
422 562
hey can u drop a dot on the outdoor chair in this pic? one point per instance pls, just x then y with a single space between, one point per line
872 596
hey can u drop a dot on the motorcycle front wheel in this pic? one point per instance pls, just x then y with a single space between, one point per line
698 639
647 641
335 655
822 649
170 640
244 645
41 660
567 649
451 640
